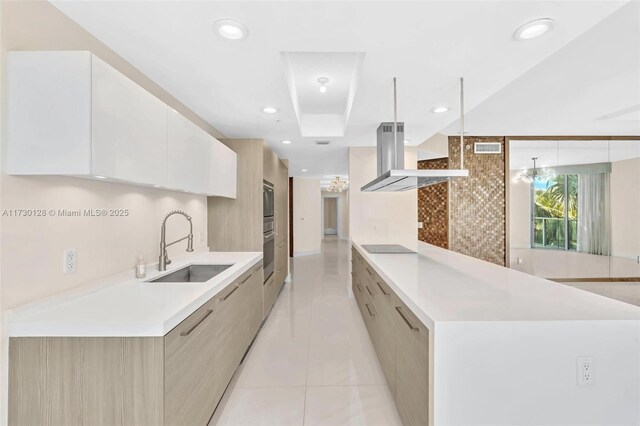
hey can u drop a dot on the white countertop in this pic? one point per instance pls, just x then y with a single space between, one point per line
124 306
442 285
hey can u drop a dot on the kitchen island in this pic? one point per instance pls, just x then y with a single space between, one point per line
497 346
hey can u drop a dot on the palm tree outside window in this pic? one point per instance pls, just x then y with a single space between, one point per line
555 212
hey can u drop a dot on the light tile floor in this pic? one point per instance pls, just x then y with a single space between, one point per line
628 292
313 362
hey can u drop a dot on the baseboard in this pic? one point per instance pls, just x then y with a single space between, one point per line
596 279
305 253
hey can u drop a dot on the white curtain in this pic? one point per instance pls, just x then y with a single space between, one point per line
594 231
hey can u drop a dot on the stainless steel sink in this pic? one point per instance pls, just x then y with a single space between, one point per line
192 274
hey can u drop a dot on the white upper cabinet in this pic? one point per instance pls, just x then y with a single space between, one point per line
70 113
129 128
224 170
189 155
49 113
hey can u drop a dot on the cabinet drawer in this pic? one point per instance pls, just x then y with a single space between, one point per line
412 367
268 295
190 368
231 338
255 295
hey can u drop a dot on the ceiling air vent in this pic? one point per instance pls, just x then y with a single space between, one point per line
323 142
487 148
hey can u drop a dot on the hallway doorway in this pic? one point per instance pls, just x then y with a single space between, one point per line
330 216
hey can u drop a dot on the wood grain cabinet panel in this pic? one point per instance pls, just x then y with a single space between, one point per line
412 368
268 295
255 295
384 302
86 380
190 368
400 340
231 337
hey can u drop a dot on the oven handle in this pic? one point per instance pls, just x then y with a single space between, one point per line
269 237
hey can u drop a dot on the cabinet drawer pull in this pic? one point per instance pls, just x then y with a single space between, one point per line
367 305
369 291
370 273
399 309
229 294
258 268
245 280
193 327
359 289
382 289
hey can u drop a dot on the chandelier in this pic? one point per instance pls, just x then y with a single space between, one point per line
337 185
529 176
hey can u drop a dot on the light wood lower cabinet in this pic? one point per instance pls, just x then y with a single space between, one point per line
268 295
177 379
189 374
281 263
400 340
231 333
412 368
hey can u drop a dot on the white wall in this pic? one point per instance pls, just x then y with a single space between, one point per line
437 146
519 212
380 217
33 246
345 215
625 208
307 207
485 380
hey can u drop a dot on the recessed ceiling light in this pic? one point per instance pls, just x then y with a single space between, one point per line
270 110
304 170
533 29
156 186
99 177
407 141
286 142
323 81
440 109
230 30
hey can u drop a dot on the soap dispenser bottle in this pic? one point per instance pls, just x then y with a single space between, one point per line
141 268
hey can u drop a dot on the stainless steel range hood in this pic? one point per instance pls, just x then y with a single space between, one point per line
392 176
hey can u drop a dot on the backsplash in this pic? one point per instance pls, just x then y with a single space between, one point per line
433 207
477 212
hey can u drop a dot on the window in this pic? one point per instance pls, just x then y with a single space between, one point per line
555 212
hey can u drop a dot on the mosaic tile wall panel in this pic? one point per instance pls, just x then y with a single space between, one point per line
433 207
477 210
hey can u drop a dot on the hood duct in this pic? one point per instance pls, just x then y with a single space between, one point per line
392 176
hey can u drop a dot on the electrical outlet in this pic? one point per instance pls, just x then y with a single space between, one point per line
70 260
584 370
419 225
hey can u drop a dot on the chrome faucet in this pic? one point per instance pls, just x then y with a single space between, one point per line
164 258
